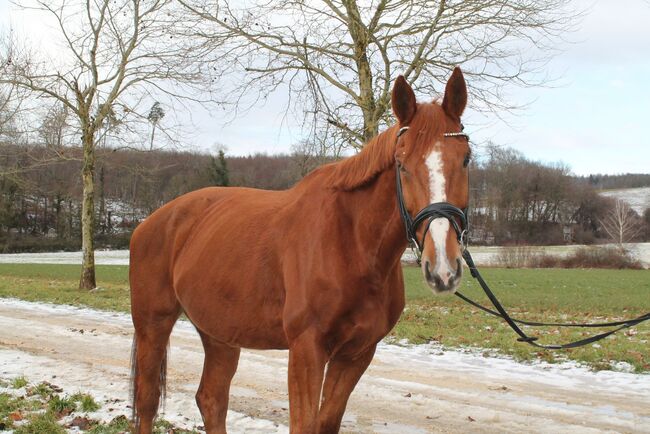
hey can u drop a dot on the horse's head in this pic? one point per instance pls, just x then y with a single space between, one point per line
433 168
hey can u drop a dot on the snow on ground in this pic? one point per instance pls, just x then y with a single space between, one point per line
103 257
407 389
108 386
483 256
489 255
112 395
637 198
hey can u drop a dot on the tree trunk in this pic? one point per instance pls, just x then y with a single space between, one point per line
360 38
88 214
153 132
70 217
102 202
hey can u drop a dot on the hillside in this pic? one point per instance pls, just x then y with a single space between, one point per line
637 198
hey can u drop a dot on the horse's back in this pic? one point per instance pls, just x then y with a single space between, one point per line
161 237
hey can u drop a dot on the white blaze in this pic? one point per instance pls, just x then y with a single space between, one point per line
439 227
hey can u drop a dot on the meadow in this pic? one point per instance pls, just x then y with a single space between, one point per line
536 294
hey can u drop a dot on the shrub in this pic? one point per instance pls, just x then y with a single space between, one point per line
517 256
601 257
583 257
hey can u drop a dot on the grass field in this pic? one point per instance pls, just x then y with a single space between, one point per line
535 294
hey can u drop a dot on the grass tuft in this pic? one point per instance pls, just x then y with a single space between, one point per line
86 402
118 425
19 382
40 423
44 390
65 405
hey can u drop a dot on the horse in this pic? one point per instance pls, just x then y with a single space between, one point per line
314 269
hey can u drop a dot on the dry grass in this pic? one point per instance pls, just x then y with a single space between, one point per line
604 257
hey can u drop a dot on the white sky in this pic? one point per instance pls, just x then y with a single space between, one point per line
593 119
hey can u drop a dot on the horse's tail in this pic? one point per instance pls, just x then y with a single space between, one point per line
133 389
134 380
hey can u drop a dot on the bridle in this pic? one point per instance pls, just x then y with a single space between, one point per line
457 217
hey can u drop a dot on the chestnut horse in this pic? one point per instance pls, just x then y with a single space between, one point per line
314 269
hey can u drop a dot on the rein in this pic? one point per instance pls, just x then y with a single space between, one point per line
458 219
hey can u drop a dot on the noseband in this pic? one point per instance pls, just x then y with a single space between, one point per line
456 216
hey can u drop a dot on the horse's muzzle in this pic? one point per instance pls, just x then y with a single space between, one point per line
443 282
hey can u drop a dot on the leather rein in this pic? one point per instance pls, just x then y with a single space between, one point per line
458 219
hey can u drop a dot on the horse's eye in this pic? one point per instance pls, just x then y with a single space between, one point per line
466 160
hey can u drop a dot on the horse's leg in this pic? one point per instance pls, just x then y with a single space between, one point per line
150 359
307 359
154 309
341 378
219 366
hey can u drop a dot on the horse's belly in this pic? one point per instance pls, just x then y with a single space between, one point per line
235 316
233 301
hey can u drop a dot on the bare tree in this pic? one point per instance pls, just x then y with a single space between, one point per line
339 57
7 113
54 124
117 55
621 223
12 106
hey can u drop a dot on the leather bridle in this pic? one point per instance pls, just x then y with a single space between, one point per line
457 217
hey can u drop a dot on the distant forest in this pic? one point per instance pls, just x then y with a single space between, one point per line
614 182
513 200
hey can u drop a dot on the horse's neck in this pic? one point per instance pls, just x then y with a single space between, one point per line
377 223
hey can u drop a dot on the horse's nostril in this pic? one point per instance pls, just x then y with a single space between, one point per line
459 268
427 271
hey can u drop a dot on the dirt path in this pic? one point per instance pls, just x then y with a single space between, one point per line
417 389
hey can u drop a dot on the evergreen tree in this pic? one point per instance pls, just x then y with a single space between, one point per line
218 170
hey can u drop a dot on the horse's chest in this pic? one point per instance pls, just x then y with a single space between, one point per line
364 324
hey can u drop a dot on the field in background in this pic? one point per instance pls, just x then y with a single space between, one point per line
483 255
637 198
536 294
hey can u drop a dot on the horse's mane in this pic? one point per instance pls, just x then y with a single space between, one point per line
375 157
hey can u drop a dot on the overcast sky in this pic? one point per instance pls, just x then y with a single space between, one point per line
593 119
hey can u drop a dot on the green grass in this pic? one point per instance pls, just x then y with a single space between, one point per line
41 423
86 402
548 295
15 404
536 294
18 382
105 273
60 404
118 425
59 284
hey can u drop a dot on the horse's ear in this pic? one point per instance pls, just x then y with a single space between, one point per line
403 101
455 98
